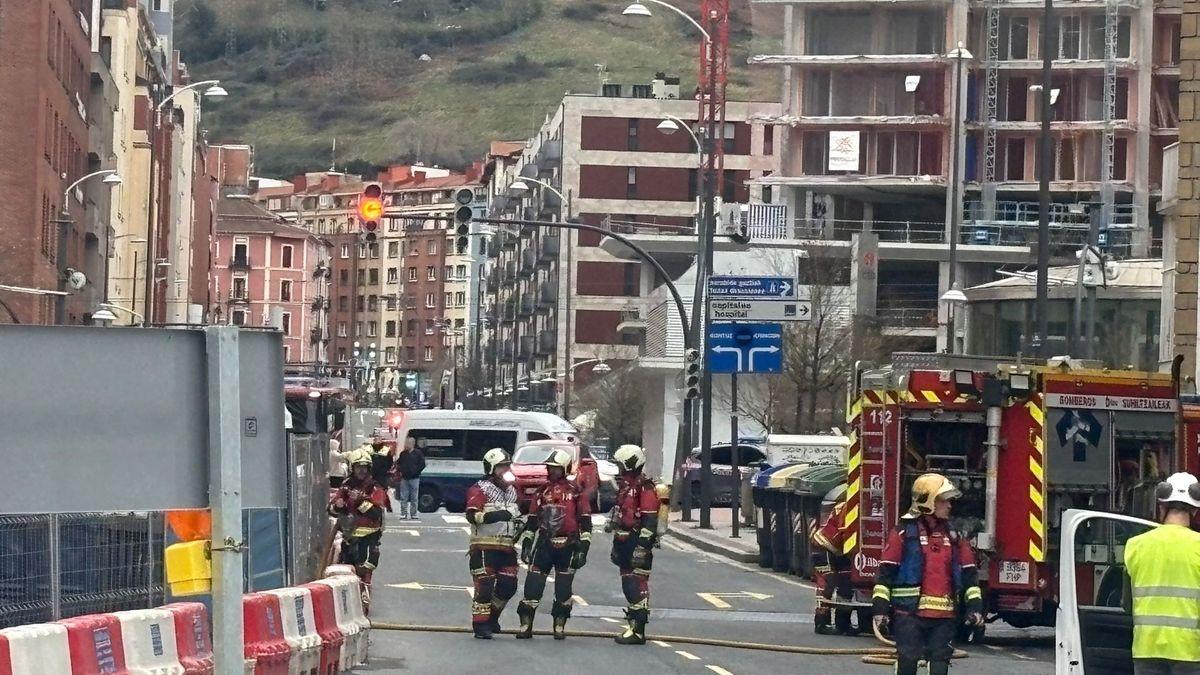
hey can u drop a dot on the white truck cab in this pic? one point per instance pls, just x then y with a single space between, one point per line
1093 634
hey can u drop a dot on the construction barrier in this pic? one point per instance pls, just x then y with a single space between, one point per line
193 637
266 650
149 638
37 649
332 640
351 620
95 644
299 629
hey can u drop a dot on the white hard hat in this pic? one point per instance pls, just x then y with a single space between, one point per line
560 458
629 457
1180 487
493 458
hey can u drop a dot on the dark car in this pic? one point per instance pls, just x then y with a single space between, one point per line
751 458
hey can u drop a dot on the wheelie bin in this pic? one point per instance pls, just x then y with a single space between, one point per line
782 516
763 520
807 489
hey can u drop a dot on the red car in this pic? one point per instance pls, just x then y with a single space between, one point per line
529 470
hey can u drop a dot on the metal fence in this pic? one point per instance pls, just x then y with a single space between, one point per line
61 565
308 495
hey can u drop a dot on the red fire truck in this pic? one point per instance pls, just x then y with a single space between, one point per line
1023 443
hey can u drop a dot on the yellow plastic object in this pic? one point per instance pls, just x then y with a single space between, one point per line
189 567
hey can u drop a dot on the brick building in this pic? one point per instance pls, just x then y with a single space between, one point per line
45 79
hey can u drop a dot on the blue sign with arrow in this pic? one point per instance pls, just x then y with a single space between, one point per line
764 288
745 348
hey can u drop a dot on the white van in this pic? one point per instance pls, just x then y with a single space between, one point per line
807 449
454 442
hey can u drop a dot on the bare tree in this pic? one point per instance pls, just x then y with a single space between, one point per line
616 399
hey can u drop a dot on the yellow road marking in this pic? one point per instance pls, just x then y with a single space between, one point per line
687 655
713 600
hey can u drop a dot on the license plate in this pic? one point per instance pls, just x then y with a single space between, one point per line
1013 572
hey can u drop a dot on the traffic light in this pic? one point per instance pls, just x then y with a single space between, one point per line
462 219
691 374
370 210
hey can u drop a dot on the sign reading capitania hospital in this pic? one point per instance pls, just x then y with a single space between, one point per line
1102 402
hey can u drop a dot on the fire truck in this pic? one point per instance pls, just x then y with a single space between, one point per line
1023 443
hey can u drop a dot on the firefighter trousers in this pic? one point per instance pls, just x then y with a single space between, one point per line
362 553
918 637
836 579
635 580
494 577
545 559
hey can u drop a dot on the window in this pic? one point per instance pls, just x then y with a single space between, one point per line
374 249
285 322
341 355
429 326
410 354
410 327
410 301
285 258
729 137
389 329
393 249
389 355
441 443
459 323
412 274
431 247
430 300
361 303
344 276
460 299
430 274
285 290
238 317
448 300
1068 37
392 275
631 182
415 250
428 354
447 273
393 224
287 353
239 292
362 251
341 329
1017 37
768 139
373 276
343 303
391 303
642 91
372 303
633 137
460 271
362 277
241 253
358 329
372 329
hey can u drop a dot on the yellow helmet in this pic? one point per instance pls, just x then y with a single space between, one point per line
630 458
559 457
361 456
926 490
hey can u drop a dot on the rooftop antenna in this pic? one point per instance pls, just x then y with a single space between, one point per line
333 157
602 73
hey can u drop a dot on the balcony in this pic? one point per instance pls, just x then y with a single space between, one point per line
547 249
547 342
526 305
507 241
316 336
239 262
528 262
1015 224
510 271
526 346
631 321
506 350
318 303
493 281
239 295
510 310
548 295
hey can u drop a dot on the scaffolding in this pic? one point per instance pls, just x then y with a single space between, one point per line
1108 151
991 94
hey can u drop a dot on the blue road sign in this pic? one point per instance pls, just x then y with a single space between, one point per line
745 348
783 288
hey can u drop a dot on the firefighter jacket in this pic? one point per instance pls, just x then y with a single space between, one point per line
637 508
1164 576
832 535
560 513
925 569
363 501
486 501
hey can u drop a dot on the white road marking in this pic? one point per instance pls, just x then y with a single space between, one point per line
718 670
580 600
994 648
453 518
401 530
1024 658
688 548
660 643
415 586
467 530
609 619
687 655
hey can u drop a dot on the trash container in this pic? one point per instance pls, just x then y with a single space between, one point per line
806 490
764 513
783 524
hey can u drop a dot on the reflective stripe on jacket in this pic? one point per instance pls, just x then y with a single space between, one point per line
1164 573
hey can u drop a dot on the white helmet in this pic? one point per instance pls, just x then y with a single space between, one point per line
1180 487
494 458
630 457
560 458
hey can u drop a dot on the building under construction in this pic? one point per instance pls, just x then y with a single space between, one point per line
868 133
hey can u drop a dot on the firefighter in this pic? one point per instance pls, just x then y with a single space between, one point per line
925 568
634 524
1164 576
835 567
359 505
494 517
557 536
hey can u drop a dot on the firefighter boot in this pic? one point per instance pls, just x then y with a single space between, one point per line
635 632
494 617
483 630
821 619
561 612
842 623
525 612
939 668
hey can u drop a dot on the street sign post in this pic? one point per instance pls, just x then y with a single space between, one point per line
742 298
759 310
779 288
745 348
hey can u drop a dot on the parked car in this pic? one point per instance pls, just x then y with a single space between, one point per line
598 479
751 458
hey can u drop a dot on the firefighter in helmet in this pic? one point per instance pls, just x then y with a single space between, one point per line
495 524
557 536
359 505
634 524
830 560
925 570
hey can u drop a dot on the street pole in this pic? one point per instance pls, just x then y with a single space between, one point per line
709 215
735 472
955 194
516 331
1095 214
133 284
62 225
1045 153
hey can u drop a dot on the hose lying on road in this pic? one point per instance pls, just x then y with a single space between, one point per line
889 659
877 655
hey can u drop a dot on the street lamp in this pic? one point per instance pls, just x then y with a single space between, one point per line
103 317
672 124
640 9
953 299
110 178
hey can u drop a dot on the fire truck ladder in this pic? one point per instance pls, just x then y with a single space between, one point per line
1108 146
991 93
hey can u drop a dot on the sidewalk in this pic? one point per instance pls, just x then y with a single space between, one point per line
717 540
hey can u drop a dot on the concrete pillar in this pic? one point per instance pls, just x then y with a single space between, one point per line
1142 27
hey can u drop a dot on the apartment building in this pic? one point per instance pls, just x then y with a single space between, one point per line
558 301
866 132
45 135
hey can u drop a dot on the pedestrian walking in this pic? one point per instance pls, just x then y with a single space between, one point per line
1164 578
410 462
925 571
495 524
339 468
558 534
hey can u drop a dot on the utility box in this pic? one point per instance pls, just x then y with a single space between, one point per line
189 567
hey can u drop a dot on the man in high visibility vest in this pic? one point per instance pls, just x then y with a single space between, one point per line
1164 575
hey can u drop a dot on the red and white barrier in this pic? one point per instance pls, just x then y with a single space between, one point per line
95 644
37 649
351 620
340 570
332 640
265 645
149 637
299 629
5 657
193 637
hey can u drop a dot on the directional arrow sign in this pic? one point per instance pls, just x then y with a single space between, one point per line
780 288
715 600
745 348
730 309
414 586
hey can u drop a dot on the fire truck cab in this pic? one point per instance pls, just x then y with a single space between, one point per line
1024 444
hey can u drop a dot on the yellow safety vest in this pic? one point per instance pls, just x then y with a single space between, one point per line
1164 570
